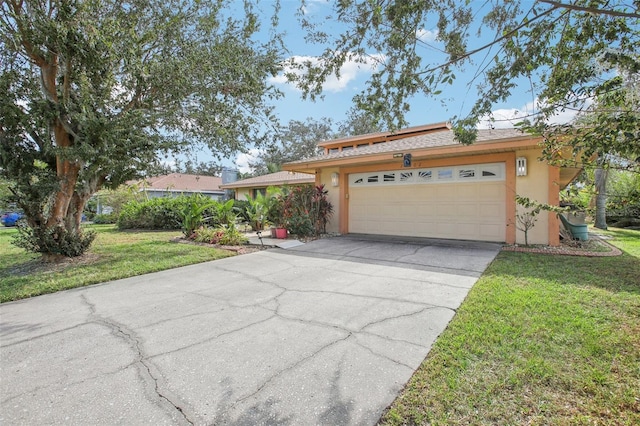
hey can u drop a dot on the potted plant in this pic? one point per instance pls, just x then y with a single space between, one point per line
275 213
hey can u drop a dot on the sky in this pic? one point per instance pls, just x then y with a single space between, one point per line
456 100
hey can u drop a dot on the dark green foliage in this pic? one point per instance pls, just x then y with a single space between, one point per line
94 92
156 213
300 224
56 241
623 197
104 219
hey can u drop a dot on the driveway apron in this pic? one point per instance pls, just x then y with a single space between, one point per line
325 333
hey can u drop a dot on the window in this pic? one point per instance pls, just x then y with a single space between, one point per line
471 174
466 173
362 145
424 175
347 148
405 176
332 150
444 174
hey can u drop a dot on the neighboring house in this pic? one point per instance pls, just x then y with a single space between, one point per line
176 184
422 182
258 185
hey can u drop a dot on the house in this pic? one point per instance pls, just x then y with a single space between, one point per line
176 184
258 185
421 182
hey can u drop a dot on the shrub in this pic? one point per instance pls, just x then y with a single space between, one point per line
156 213
623 195
306 210
53 241
103 219
228 236
300 225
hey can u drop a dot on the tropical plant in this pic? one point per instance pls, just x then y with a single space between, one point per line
223 235
257 210
306 210
193 212
275 212
225 213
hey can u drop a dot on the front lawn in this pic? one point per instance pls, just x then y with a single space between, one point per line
540 339
113 255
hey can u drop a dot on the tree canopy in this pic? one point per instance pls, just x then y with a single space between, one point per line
93 90
299 139
579 55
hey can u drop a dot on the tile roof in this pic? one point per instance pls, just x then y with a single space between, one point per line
183 182
275 179
429 140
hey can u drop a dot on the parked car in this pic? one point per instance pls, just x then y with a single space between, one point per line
10 218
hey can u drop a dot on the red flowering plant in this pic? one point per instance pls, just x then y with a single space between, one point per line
306 210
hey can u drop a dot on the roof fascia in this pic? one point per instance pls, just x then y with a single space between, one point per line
386 136
444 151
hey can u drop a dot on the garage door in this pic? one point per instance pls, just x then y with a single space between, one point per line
462 202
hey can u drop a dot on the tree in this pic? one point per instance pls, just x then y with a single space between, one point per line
572 54
94 90
297 141
358 122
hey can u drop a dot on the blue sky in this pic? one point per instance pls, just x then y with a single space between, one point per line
456 100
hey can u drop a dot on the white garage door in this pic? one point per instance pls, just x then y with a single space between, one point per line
461 202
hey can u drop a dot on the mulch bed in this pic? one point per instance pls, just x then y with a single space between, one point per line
243 249
594 247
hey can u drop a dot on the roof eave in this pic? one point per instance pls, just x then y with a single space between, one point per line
419 153
267 184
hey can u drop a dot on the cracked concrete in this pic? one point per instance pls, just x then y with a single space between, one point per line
323 333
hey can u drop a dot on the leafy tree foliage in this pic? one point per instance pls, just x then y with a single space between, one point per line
297 141
93 90
573 54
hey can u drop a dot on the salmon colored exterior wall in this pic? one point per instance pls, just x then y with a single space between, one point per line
540 184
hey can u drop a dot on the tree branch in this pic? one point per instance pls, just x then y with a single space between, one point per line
490 44
593 10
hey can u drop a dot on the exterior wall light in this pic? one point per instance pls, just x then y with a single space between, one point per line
521 166
335 179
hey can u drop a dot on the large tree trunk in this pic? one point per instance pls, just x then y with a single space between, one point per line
601 175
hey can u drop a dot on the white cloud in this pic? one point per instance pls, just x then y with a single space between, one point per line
244 159
312 5
506 118
350 70
426 35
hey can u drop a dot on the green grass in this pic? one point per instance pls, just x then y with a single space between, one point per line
540 339
113 255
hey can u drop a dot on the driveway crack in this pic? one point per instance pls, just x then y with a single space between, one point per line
134 343
290 367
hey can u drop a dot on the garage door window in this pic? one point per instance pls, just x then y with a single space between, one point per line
468 173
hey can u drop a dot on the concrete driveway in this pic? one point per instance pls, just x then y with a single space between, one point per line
324 333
